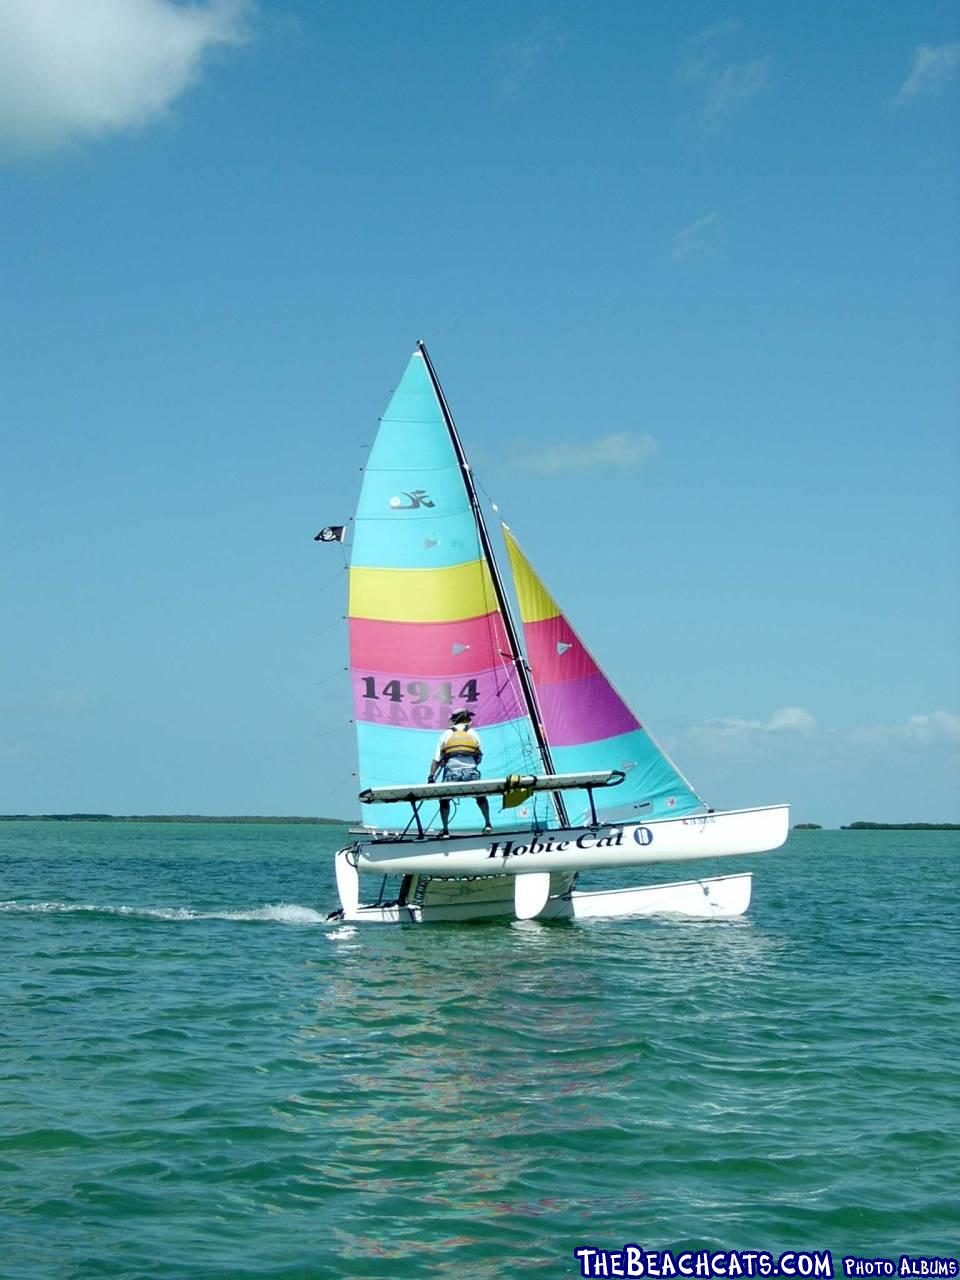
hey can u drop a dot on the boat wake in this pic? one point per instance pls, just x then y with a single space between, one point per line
278 913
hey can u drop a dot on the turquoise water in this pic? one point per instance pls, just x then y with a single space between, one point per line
199 1078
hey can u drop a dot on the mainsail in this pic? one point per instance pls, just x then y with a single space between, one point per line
588 725
426 632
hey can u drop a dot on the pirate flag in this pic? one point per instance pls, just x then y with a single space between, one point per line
332 533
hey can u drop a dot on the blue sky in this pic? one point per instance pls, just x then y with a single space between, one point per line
690 276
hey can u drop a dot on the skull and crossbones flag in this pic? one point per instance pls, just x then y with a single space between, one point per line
332 533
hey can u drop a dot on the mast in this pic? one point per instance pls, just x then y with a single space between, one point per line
516 657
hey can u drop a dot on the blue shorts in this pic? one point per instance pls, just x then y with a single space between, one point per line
460 771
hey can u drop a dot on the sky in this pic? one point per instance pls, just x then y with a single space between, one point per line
690 276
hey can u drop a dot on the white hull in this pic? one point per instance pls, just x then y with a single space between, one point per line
718 898
532 876
712 835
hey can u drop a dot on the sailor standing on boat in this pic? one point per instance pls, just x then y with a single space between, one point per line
459 754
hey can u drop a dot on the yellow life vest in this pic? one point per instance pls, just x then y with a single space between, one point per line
462 742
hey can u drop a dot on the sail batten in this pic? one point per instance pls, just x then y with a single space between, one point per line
587 722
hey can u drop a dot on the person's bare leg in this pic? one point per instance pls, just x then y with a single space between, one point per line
444 817
484 807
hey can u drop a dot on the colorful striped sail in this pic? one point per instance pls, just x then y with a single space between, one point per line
426 633
588 725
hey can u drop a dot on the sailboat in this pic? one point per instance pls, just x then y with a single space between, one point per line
574 781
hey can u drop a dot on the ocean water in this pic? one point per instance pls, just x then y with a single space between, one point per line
199 1077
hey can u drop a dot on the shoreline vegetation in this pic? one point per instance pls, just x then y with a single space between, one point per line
884 826
902 826
161 817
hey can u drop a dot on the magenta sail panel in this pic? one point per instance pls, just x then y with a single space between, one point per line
584 710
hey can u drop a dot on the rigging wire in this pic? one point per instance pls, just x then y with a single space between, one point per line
319 684
330 626
325 586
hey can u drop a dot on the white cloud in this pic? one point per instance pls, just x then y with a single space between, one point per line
733 87
788 720
701 237
622 449
702 50
937 728
74 68
727 85
518 59
932 68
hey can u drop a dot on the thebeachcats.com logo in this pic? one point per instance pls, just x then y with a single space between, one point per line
632 1260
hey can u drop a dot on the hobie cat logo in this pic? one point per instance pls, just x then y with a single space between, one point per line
418 498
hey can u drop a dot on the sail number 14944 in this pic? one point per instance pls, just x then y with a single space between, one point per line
419 691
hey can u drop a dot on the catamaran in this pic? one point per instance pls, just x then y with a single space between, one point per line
582 785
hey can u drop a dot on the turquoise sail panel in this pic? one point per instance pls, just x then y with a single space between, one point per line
391 755
437 528
414 512
652 788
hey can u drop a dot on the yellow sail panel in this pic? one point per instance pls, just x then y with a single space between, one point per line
422 595
536 602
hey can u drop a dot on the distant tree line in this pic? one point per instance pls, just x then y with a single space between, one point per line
884 826
902 826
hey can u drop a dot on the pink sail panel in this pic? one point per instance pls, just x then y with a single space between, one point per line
428 648
556 652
